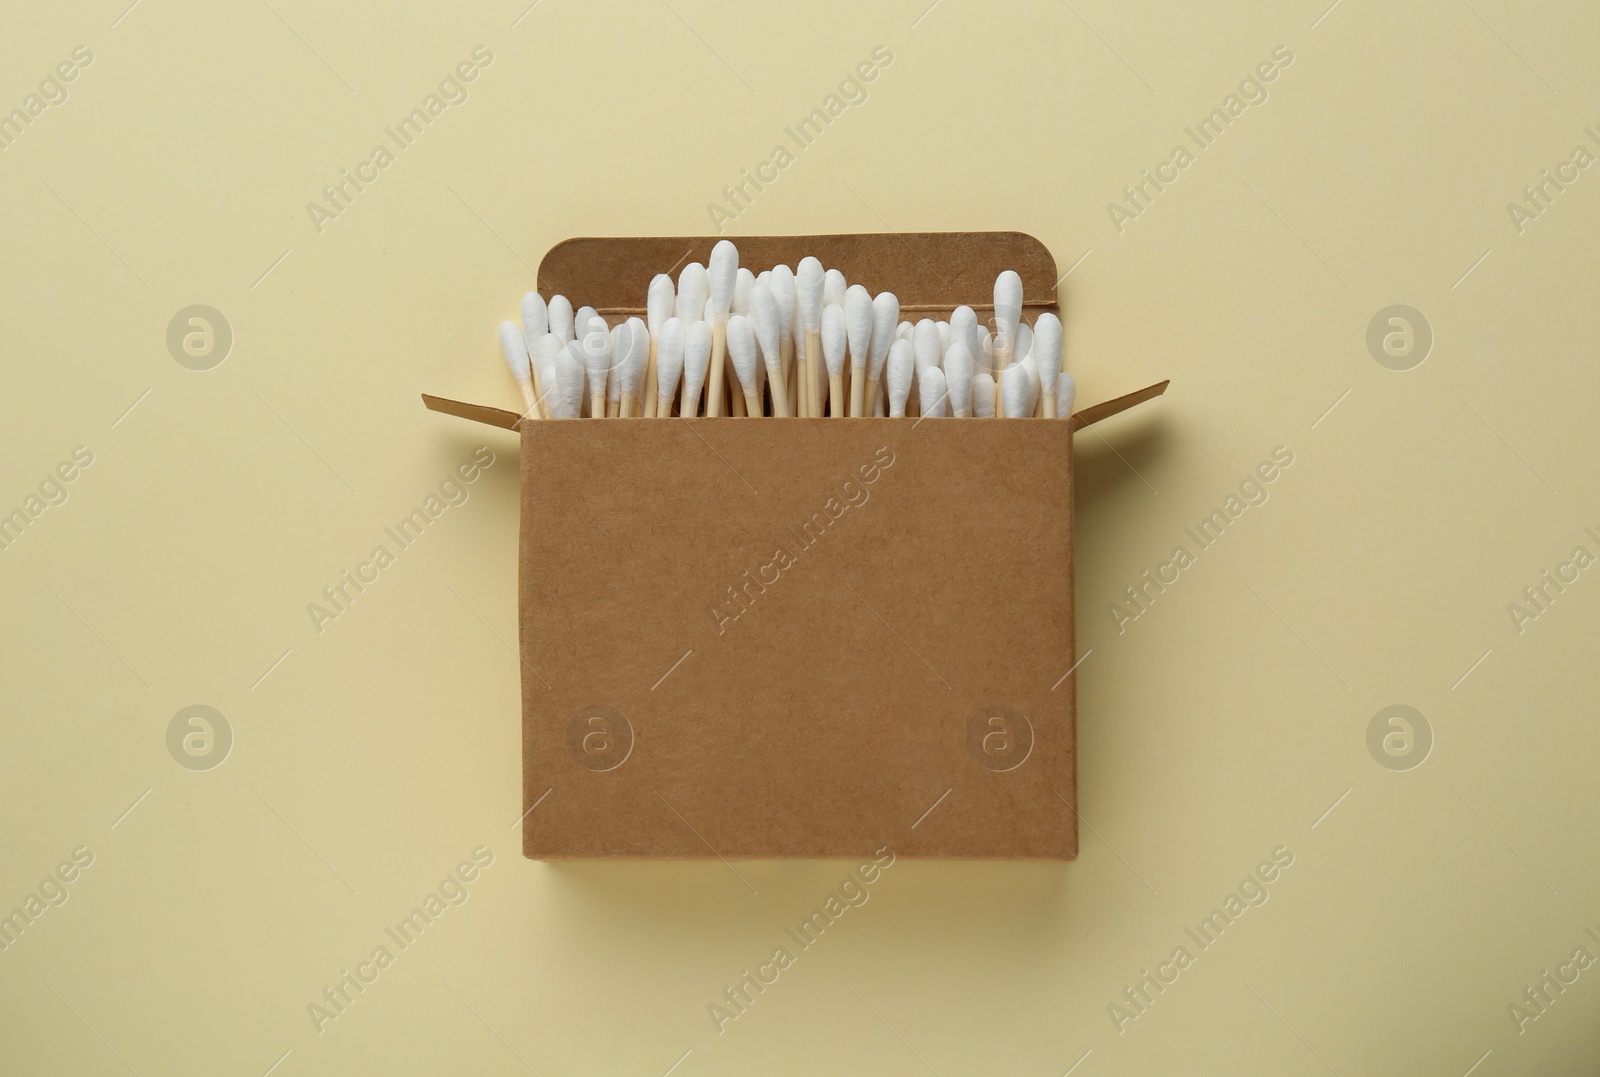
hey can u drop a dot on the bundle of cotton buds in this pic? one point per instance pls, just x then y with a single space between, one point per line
787 343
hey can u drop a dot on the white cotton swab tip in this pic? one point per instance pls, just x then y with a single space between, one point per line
1047 351
596 359
696 365
858 327
944 335
569 380
621 337
808 292
768 326
765 321
935 398
724 274
742 284
535 320
833 339
560 313
958 378
833 287
925 345
1014 392
1024 343
515 350
1007 305
1066 393
901 366
546 358
983 395
964 327
633 365
885 316
782 284
669 365
742 349
693 288
659 302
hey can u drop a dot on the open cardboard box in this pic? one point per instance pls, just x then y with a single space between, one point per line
799 637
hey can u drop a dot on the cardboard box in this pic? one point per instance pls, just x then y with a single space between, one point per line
799 637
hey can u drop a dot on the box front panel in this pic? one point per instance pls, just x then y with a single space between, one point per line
809 638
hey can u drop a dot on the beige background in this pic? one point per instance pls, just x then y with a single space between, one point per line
1227 721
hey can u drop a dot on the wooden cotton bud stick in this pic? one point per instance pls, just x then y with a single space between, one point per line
696 362
669 365
934 396
515 350
958 379
742 351
858 334
983 395
1014 392
560 315
885 315
569 381
631 368
759 388
1066 392
834 339
1047 353
658 307
766 322
819 387
901 365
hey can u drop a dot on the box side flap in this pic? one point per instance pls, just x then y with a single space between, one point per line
508 420
929 271
1089 416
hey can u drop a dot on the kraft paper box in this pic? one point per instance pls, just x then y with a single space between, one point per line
799 637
